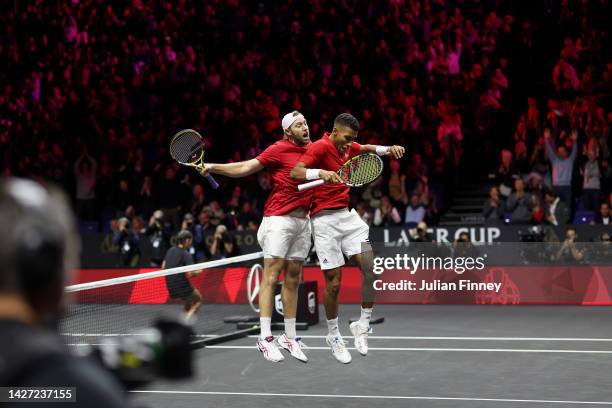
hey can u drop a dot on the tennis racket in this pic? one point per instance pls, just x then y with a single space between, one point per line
358 171
187 148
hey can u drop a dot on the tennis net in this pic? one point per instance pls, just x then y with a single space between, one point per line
122 306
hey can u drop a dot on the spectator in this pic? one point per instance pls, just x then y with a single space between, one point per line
397 182
203 229
562 167
569 251
386 215
188 224
128 241
171 196
123 198
520 204
538 212
218 215
223 246
415 211
198 200
603 216
159 232
493 211
557 212
146 200
420 234
247 219
506 173
85 171
606 178
591 182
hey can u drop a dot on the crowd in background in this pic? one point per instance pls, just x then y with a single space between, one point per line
92 92
557 168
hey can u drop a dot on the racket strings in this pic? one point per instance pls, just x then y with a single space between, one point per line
187 147
362 169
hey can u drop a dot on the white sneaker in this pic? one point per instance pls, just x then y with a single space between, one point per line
338 348
269 349
293 346
361 337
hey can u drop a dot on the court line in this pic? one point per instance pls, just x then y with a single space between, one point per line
383 397
482 350
495 350
374 337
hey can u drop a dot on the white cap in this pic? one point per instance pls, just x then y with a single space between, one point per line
289 119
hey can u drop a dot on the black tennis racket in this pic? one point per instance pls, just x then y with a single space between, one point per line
187 148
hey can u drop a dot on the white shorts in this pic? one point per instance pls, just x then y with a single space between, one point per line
284 237
338 232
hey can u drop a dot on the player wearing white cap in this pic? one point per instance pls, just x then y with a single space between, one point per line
284 233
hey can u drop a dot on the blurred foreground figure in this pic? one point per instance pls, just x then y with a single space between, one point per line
38 246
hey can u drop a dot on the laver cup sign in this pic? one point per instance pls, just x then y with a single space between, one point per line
500 273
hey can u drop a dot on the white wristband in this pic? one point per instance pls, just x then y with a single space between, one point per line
382 150
312 174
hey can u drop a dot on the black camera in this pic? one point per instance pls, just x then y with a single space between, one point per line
161 351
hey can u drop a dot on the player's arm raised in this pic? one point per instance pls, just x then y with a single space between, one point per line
301 173
235 170
395 151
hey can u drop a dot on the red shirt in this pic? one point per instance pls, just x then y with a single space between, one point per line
280 158
322 154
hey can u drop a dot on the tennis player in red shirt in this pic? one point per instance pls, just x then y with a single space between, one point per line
284 233
338 231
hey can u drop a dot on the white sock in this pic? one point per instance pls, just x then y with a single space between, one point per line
266 327
290 328
366 315
332 327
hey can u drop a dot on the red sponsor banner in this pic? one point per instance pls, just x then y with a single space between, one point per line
507 285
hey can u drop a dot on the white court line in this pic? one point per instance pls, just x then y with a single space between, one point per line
440 349
486 350
374 337
383 397
124 335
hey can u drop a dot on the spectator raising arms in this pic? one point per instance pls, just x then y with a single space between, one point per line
562 167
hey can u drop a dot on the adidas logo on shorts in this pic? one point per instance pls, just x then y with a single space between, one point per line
324 260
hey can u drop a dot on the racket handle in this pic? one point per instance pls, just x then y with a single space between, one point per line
311 184
213 183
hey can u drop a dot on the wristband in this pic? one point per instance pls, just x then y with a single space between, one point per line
312 174
382 150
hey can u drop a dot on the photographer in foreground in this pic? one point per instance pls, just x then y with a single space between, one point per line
37 247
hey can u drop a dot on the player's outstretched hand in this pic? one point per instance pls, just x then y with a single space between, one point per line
206 170
330 177
397 151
